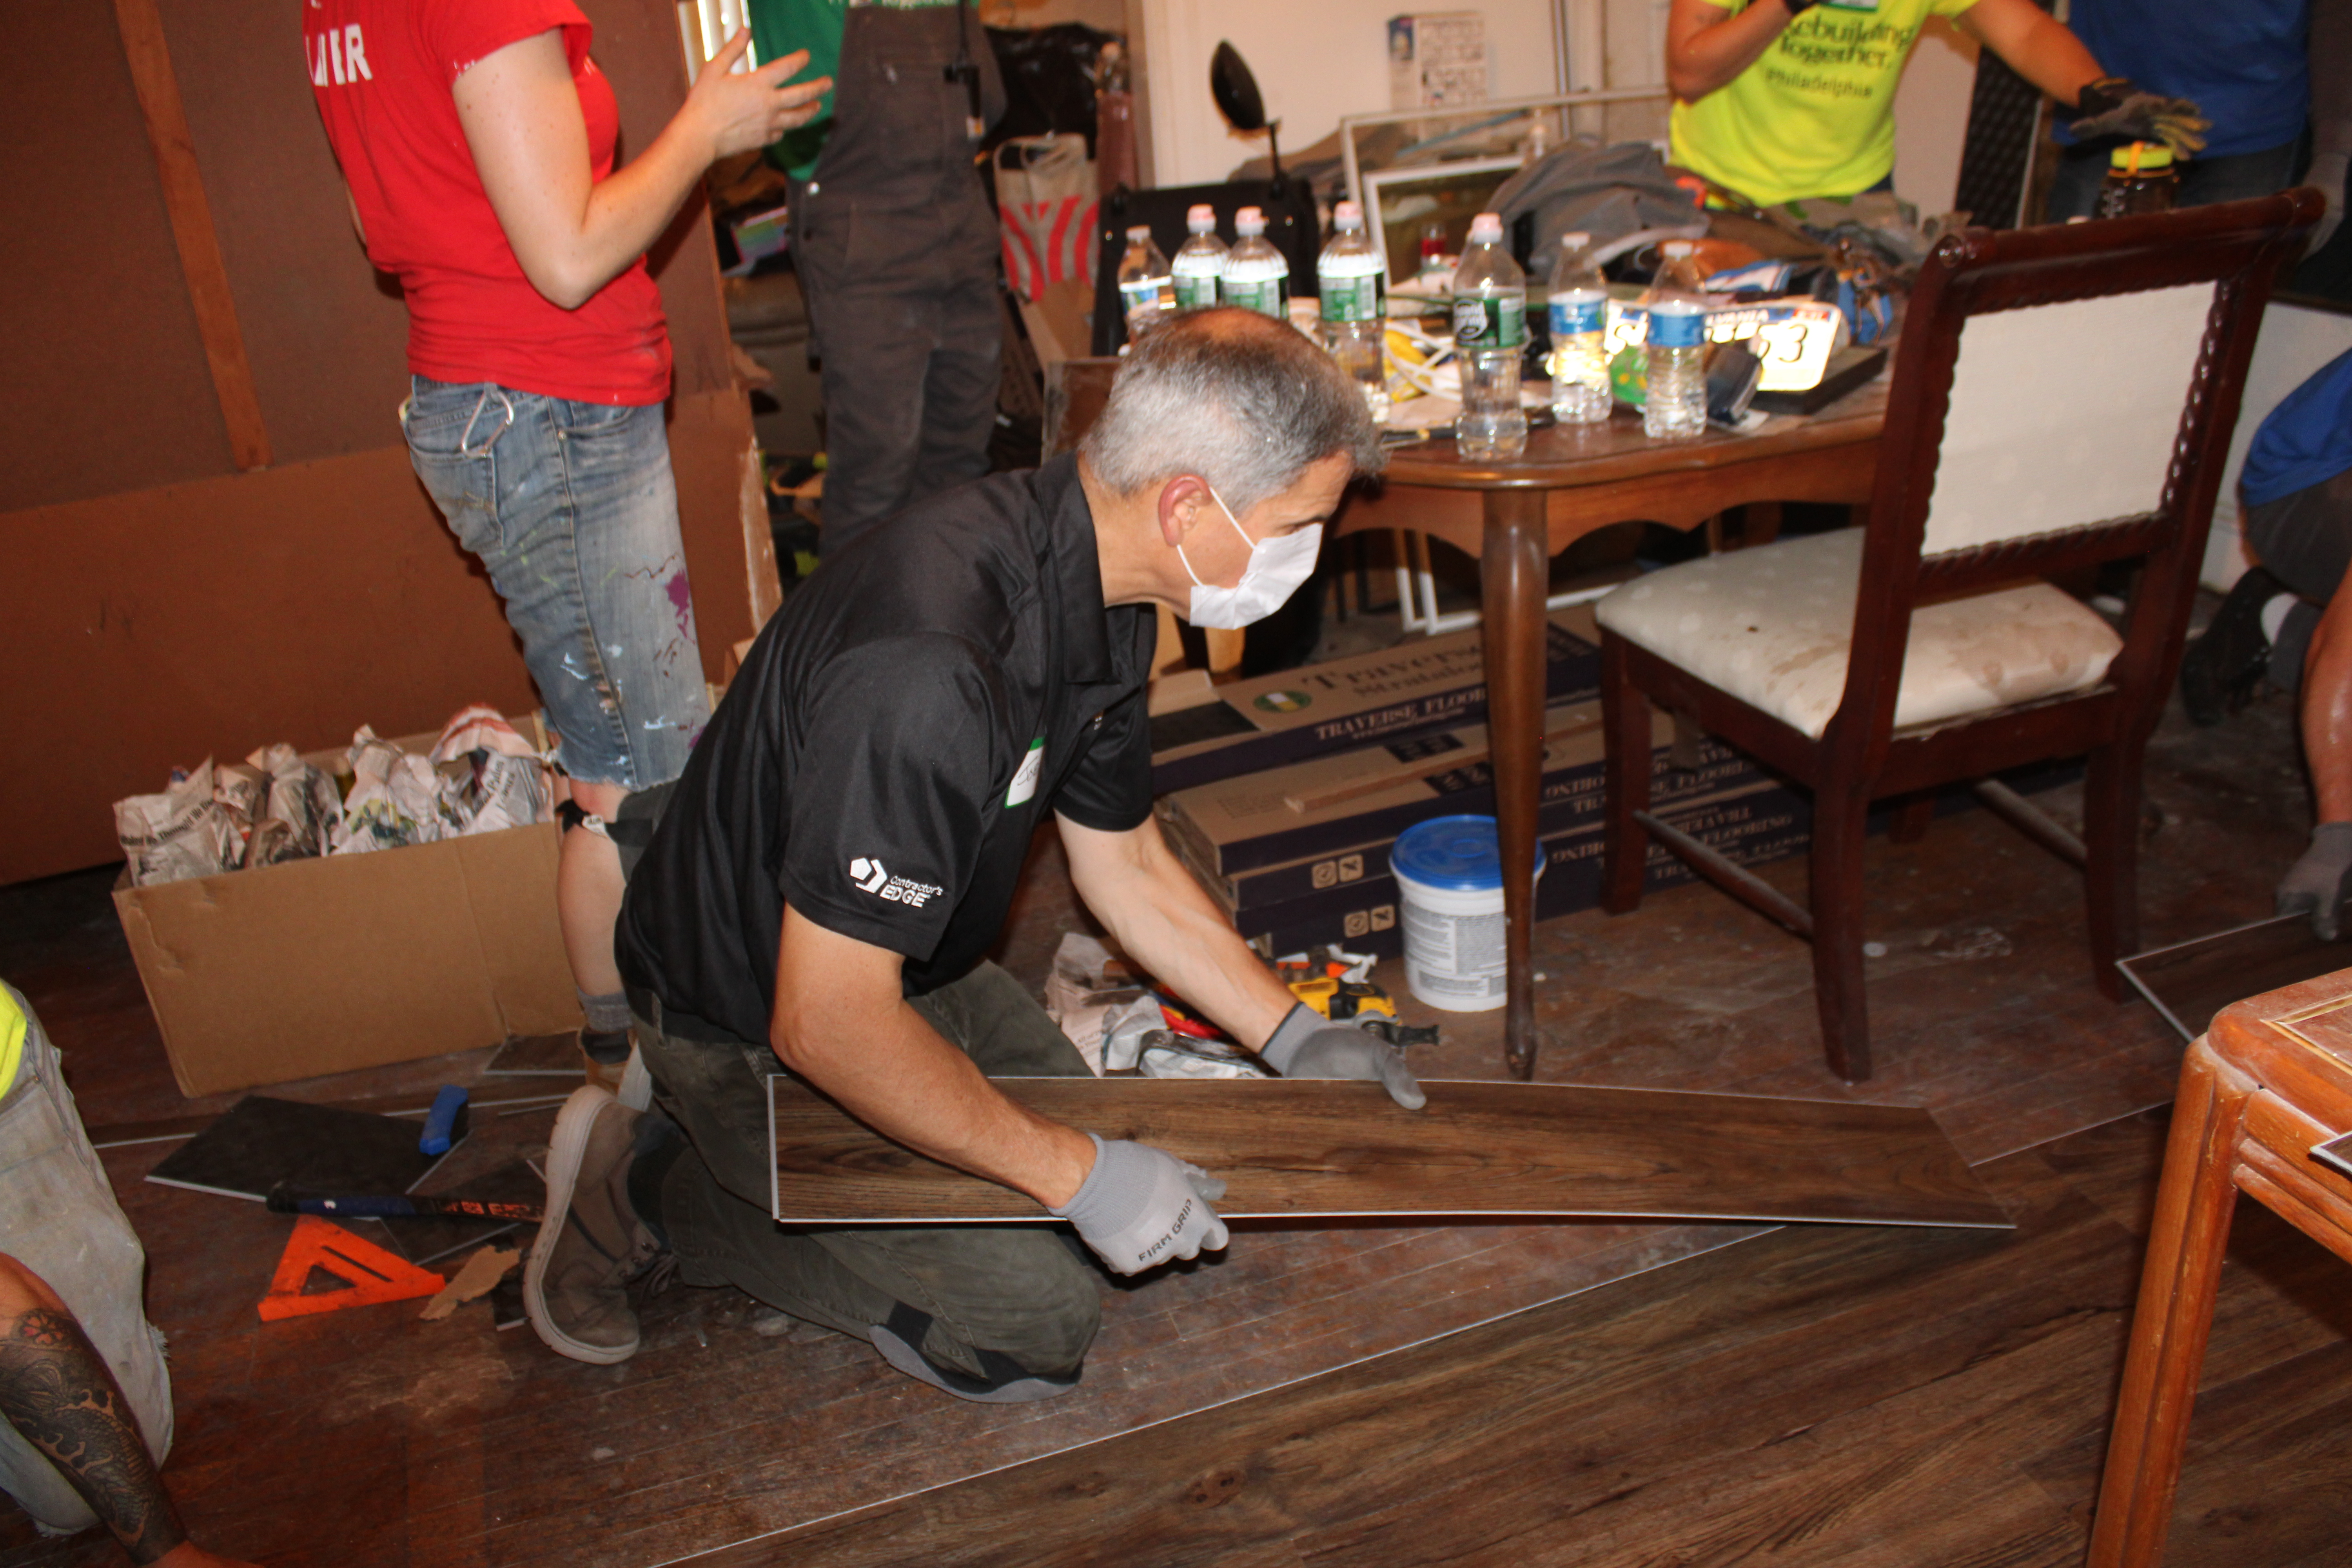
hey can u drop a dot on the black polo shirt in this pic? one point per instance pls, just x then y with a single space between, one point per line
880 762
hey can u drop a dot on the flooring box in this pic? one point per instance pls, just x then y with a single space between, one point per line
351 961
1763 822
1333 804
1420 685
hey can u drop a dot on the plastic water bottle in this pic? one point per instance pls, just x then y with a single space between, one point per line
1490 329
1201 262
1146 292
1580 320
1355 319
1256 277
1677 371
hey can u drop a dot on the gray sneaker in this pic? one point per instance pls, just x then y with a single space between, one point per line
592 1243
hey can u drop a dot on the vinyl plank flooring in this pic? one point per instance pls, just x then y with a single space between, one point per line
1308 1148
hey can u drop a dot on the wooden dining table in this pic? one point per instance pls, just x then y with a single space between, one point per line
1515 514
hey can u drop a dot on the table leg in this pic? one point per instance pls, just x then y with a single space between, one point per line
1513 577
2185 1242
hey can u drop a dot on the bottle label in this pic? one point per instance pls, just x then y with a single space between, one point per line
1677 328
1196 291
1581 311
1351 298
1267 296
1500 323
1144 294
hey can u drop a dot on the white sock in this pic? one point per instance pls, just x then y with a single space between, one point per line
2274 614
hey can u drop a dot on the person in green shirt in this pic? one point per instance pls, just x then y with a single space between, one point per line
1781 100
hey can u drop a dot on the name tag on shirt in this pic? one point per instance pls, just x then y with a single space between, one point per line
1024 779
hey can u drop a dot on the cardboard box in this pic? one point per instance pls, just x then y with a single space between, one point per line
1244 823
1422 685
1763 822
352 961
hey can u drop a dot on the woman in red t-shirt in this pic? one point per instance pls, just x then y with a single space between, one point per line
477 139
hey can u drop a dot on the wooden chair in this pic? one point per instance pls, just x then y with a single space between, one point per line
2061 397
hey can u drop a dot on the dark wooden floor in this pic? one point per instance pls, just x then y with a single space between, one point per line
1818 1395
1603 1393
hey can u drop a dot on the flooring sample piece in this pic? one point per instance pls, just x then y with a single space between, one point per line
1325 1148
262 1142
536 1056
2192 981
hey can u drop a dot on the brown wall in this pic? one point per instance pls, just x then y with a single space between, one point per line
163 605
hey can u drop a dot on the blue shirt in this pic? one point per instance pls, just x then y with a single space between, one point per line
2307 440
2242 61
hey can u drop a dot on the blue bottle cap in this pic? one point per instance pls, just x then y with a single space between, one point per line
1457 854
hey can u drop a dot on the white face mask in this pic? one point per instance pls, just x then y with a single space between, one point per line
1277 568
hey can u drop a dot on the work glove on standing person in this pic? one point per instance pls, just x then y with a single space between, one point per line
1141 1207
1308 1045
2317 884
2116 109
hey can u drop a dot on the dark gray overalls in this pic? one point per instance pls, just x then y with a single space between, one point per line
898 251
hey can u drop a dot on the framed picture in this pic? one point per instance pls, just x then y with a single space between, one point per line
1400 203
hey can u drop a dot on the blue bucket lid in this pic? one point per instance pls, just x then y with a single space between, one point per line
1458 853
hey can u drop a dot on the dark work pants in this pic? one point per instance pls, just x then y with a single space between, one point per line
897 247
910 379
1017 1289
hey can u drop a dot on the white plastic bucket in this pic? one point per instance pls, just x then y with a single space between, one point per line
1449 872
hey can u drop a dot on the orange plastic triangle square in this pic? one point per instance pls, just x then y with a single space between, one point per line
374 1274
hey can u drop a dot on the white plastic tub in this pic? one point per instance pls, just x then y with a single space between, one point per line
1449 872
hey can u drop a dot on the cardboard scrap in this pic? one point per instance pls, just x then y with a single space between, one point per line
478 1277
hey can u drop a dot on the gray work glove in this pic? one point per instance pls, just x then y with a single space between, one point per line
2115 108
2316 884
1141 1207
2327 171
1308 1045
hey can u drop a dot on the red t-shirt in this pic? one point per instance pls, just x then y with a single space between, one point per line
383 72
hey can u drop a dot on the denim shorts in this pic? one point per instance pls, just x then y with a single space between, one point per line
60 1219
571 508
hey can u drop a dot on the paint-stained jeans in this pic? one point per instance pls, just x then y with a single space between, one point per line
571 508
1018 1289
60 1219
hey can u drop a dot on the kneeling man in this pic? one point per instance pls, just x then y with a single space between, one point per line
844 847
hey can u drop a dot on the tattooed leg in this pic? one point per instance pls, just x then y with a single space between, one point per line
56 1391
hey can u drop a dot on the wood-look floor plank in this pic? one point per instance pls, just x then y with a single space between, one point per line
1293 1149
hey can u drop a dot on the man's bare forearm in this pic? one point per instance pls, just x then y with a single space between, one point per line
56 1390
842 1024
1135 885
1708 46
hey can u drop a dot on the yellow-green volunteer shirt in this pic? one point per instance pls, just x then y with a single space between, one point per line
12 1038
1814 116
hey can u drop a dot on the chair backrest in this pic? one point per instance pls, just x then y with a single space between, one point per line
2064 415
2063 396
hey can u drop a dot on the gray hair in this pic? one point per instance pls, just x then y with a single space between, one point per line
1246 401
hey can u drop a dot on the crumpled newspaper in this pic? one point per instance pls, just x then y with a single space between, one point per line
395 799
499 780
481 776
1169 1055
299 808
185 831
1089 983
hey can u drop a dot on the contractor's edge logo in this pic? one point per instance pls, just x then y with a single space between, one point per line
871 878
